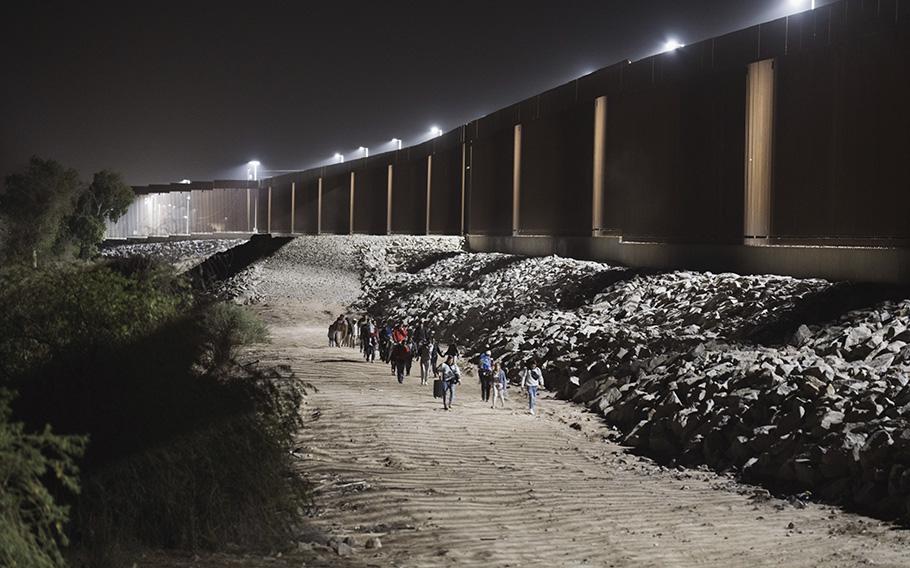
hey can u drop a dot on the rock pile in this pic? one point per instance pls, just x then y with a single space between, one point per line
331 268
181 254
667 358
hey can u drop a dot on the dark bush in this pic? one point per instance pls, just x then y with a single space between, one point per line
31 520
188 446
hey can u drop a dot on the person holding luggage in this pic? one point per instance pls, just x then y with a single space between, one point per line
450 377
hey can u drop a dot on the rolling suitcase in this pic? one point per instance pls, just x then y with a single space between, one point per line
438 389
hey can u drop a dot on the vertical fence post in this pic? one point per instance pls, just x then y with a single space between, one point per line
351 209
388 200
268 220
464 175
293 199
759 151
516 181
600 141
429 191
319 208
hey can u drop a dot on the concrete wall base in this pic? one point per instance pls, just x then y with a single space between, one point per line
858 264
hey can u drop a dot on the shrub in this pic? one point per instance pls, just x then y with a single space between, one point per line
189 446
31 520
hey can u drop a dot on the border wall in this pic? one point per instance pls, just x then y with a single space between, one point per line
777 148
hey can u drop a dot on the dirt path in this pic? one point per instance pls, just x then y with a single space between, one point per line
486 487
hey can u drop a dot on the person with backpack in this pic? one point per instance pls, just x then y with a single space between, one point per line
485 370
450 377
532 379
500 384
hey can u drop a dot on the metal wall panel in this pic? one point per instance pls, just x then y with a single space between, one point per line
336 203
556 172
841 141
772 39
675 160
490 206
236 219
281 207
737 49
604 81
370 196
445 209
409 191
306 206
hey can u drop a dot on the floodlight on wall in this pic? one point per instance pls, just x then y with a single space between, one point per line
397 142
364 151
435 131
252 170
339 157
673 45
802 3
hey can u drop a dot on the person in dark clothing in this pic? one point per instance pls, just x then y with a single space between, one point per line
412 349
485 369
435 354
400 355
452 351
384 344
369 348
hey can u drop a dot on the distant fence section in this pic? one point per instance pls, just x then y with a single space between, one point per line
792 133
189 209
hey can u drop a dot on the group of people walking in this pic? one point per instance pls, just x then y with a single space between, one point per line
398 346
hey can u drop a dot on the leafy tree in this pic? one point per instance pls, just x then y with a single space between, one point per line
105 199
34 206
31 520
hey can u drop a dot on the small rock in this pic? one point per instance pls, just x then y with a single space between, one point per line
343 549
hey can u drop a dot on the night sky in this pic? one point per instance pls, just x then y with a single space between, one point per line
162 91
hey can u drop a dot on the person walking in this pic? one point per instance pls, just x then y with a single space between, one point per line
399 358
500 384
384 343
412 351
485 371
337 329
369 348
423 354
532 379
452 351
450 377
435 354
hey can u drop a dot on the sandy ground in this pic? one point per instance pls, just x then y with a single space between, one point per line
484 487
